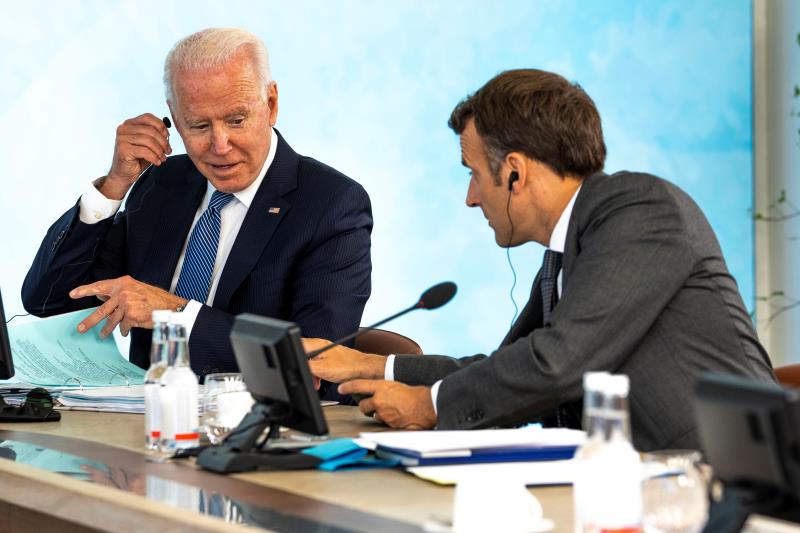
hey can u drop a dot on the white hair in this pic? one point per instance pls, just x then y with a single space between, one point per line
211 48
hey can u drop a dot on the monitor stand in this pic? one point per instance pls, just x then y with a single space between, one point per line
241 450
738 502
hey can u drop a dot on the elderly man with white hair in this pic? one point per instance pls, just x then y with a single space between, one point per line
240 223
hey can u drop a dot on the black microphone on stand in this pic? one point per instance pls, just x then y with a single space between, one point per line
433 298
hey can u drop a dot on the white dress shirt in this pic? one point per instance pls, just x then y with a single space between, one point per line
95 207
558 240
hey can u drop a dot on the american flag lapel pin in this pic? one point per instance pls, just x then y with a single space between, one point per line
274 210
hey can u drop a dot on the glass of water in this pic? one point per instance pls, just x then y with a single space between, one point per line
674 492
226 401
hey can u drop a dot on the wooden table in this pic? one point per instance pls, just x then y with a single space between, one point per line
364 500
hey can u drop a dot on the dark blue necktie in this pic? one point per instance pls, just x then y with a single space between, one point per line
201 252
551 266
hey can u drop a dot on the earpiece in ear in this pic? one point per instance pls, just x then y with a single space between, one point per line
514 176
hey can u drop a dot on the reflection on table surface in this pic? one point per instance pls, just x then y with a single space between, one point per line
169 492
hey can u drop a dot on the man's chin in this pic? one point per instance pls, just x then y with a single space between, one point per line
502 241
228 184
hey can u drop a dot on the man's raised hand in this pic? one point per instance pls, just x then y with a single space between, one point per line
140 141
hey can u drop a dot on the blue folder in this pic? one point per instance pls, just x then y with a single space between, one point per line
479 455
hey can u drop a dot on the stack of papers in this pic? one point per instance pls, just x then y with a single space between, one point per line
418 448
51 353
108 399
81 370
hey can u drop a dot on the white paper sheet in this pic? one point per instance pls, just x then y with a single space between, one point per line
51 353
434 442
530 473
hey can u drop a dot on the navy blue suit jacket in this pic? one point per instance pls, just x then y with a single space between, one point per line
308 263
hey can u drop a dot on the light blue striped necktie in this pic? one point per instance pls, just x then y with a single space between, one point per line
201 253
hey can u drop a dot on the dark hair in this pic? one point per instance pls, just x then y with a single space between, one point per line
537 113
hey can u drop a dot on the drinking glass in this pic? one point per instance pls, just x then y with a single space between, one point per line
674 492
226 401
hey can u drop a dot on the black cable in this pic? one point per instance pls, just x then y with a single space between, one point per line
508 257
16 316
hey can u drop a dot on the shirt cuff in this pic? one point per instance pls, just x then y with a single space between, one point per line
388 369
191 311
94 207
435 395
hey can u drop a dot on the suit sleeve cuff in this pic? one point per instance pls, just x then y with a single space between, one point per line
191 311
388 369
94 207
435 396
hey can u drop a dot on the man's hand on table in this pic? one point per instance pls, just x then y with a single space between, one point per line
395 404
340 364
127 303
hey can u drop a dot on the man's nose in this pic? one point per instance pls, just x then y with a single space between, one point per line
220 142
473 196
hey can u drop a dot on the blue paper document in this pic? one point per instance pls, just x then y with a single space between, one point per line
51 353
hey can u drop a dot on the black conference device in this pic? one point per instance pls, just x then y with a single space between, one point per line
273 364
750 434
274 367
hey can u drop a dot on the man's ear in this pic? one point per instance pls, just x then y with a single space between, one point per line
172 114
517 170
512 177
272 102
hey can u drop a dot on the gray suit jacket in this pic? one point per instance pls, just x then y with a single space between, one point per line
645 292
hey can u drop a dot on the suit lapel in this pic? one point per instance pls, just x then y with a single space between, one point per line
571 246
173 229
260 223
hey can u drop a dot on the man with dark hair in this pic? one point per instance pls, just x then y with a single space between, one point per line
633 282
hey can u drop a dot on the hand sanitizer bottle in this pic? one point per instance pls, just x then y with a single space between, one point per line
152 379
179 392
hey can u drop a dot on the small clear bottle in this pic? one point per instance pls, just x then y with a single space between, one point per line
608 495
179 392
159 350
594 425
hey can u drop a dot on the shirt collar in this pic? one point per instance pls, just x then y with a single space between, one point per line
246 195
558 238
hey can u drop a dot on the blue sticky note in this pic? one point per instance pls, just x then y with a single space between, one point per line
333 449
345 453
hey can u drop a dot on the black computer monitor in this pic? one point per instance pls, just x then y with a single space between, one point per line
6 362
274 366
750 433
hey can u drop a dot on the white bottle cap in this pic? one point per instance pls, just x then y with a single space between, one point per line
161 315
594 380
617 384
